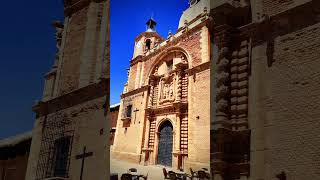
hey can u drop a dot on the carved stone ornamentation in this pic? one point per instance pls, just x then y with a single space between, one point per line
222 65
151 93
222 92
58 36
179 87
222 105
168 89
222 78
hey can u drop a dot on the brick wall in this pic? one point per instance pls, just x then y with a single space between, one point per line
288 106
114 117
294 102
199 120
272 7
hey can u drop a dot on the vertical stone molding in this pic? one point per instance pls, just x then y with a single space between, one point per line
88 57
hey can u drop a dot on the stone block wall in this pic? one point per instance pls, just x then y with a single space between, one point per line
290 105
128 139
73 49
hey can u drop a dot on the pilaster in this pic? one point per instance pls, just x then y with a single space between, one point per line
88 57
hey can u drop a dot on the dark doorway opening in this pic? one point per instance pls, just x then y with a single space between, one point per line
165 144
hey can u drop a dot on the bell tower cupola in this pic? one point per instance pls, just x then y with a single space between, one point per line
151 25
147 40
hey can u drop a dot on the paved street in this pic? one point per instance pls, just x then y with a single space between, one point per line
154 172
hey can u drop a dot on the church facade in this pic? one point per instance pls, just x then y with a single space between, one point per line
164 116
72 111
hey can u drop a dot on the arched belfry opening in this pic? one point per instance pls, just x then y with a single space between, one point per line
165 144
148 44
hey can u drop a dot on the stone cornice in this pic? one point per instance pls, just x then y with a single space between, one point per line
51 73
199 68
79 96
137 59
148 35
172 43
174 108
79 5
135 91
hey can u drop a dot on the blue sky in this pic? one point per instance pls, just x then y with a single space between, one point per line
27 48
127 20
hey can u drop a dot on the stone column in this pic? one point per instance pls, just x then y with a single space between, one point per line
151 92
179 85
145 149
221 121
222 78
147 130
178 131
258 89
88 57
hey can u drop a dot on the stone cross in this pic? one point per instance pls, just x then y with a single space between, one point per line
135 114
83 156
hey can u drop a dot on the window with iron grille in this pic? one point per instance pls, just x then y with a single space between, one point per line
62 146
129 111
56 147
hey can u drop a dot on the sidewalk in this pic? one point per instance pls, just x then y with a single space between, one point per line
154 171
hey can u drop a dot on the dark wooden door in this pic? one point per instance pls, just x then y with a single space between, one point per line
165 144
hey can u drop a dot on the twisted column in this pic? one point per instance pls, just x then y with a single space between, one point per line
179 86
151 92
222 77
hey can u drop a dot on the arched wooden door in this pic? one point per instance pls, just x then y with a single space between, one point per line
165 144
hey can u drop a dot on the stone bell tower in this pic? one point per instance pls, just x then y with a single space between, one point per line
147 40
69 137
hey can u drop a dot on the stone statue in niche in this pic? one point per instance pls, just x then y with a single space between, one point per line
58 36
59 29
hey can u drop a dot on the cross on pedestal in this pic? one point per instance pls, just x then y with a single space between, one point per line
135 114
83 156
